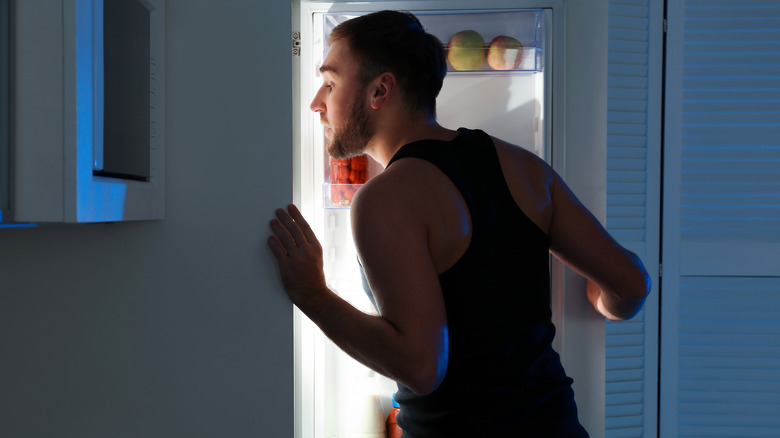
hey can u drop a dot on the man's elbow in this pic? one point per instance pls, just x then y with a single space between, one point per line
627 305
426 380
638 288
430 369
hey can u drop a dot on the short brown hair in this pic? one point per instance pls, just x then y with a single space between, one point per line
395 42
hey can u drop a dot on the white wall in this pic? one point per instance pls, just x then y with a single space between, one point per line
173 328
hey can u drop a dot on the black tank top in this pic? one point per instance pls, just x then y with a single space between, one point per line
503 377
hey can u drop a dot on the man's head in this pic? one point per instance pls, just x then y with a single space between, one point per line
395 42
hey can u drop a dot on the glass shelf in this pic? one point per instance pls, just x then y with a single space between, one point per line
524 26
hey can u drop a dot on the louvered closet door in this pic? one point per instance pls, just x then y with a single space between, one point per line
633 200
720 359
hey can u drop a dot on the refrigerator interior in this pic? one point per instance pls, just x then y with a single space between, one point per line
337 396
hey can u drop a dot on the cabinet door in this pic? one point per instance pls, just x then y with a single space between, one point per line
633 200
721 220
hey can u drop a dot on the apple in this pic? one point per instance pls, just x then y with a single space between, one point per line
504 53
466 50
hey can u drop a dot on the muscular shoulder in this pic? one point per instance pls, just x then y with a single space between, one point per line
389 201
410 183
515 158
416 203
392 189
530 179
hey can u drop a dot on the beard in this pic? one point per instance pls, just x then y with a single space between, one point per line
352 139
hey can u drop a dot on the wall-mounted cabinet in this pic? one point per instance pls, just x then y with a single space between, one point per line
87 110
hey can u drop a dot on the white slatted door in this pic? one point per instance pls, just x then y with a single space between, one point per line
633 198
720 361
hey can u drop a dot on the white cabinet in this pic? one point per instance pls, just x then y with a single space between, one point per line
88 110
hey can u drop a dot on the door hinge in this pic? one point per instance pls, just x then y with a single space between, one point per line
296 43
660 270
665 25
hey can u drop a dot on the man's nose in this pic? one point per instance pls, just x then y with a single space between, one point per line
317 104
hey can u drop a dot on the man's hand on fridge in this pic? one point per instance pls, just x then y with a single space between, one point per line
299 255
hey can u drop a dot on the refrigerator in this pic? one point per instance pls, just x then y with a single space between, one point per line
514 100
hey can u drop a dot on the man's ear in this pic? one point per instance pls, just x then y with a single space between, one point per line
384 87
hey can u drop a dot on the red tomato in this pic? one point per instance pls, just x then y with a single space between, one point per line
354 176
343 163
343 174
333 173
360 162
349 193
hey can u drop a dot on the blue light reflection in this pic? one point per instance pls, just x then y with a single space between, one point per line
14 224
98 199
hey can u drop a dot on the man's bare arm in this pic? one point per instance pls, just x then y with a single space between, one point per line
401 347
619 281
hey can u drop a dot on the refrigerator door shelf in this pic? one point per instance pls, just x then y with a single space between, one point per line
338 195
525 26
344 177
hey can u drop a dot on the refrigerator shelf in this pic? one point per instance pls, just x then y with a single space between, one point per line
531 63
523 25
338 195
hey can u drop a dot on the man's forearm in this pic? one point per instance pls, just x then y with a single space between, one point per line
369 339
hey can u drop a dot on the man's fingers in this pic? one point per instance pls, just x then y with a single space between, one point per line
276 247
308 233
292 227
282 234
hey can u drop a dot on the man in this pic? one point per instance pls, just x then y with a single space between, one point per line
454 236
